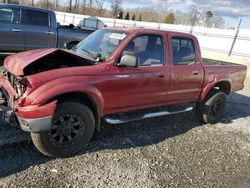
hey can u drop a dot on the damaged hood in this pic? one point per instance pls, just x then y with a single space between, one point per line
17 62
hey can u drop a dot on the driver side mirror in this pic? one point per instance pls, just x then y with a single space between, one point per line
128 60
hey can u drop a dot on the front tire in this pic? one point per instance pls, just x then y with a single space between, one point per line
211 110
72 128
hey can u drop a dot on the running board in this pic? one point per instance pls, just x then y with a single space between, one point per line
125 119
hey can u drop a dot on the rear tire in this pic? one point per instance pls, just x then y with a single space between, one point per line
72 128
211 110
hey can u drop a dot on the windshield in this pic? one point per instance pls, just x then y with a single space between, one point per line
101 44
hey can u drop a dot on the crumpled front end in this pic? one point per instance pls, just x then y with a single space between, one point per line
16 84
32 118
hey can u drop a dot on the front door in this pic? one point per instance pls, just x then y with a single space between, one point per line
142 86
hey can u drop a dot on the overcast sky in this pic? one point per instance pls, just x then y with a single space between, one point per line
230 10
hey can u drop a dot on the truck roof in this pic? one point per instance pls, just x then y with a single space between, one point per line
25 7
138 29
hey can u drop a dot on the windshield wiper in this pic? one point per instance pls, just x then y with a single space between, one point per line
98 57
88 52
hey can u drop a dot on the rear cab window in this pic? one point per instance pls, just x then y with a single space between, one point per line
183 51
36 18
10 15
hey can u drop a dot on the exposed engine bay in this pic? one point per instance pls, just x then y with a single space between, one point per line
19 88
56 60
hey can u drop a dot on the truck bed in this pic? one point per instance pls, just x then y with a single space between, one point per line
206 61
235 73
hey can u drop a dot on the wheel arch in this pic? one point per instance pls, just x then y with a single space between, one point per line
224 86
84 98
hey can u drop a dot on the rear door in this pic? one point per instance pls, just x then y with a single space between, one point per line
11 32
38 30
186 70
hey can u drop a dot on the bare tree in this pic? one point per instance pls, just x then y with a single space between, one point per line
11 1
218 22
56 4
99 6
76 6
164 6
116 7
195 16
84 6
70 5
90 4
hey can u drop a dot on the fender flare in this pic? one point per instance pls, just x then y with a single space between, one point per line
208 88
43 94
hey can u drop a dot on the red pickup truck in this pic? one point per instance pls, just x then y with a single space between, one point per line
61 96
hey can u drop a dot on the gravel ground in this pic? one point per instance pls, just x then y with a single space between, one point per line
172 151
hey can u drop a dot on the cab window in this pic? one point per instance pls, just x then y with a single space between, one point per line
10 15
183 51
36 18
148 48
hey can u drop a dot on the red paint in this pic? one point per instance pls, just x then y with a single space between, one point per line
36 111
120 89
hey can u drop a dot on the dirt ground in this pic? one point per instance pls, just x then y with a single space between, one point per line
172 151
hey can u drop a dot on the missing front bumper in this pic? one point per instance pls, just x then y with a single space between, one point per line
35 125
36 118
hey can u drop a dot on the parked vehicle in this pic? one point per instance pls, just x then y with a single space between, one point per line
26 28
91 22
60 96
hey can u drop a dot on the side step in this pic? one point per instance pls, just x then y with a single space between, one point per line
129 118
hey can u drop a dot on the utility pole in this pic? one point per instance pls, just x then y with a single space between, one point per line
235 38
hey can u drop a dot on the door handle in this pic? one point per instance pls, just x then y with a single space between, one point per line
16 30
195 73
161 75
50 33
164 75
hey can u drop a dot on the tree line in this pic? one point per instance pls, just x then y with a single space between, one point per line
161 13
